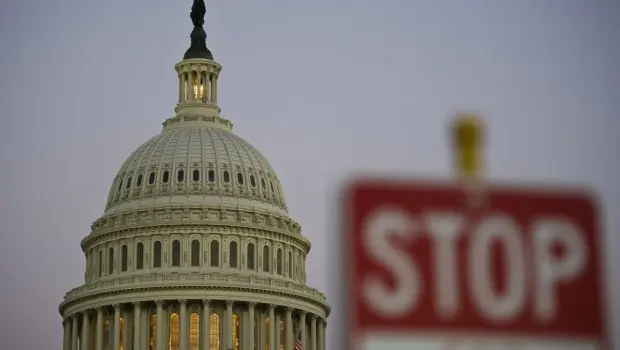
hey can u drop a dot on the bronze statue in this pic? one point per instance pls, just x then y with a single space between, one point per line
198 13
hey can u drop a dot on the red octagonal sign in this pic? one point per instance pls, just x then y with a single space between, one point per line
524 271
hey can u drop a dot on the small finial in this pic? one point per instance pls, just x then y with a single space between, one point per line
198 47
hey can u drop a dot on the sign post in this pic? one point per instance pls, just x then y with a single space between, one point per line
522 272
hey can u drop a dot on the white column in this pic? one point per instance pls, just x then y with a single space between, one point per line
209 89
272 328
288 329
66 339
85 339
160 325
136 325
214 88
180 89
229 325
127 334
251 309
302 326
99 330
117 327
74 332
313 339
205 320
184 323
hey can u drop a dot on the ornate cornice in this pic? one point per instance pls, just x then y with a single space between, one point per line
211 281
195 219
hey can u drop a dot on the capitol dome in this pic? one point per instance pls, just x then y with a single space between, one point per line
195 249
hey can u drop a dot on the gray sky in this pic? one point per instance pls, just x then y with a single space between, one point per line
321 87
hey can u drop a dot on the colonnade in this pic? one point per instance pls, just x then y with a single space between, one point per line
193 325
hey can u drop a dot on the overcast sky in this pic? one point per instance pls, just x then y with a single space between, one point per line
322 88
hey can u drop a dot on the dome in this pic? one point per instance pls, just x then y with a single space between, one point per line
195 164
195 248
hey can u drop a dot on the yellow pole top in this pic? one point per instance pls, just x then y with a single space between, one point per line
467 135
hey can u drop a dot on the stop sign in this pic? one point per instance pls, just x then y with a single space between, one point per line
424 271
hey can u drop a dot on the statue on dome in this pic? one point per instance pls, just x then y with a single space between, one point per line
198 13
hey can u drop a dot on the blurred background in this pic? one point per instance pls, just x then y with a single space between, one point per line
322 88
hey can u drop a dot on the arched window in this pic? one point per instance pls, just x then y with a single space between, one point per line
139 256
196 175
215 254
152 333
100 263
271 185
290 264
250 254
174 331
266 259
110 260
240 178
128 184
124 258
235 332
152 178
180 176
176 253
215 331
279 261
211 176
194 331
262 183
233 254
226 176
195 253
165 177
157 254
252 181
139 181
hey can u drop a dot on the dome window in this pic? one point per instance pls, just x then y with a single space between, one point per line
211 176
120 184
252 181
165 177
226 176
180 176
152 178
139 181
271 185
176 253
240 178
196 175
128 183
262 183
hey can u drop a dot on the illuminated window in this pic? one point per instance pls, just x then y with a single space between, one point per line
122 338
110 260
215 332
124 258
215 254
176 253
266 258
279 261
173 340
194 331
153 333
157 254
195 253
140 256
233 254
250 254
266 333
235 335
106 333
282 335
